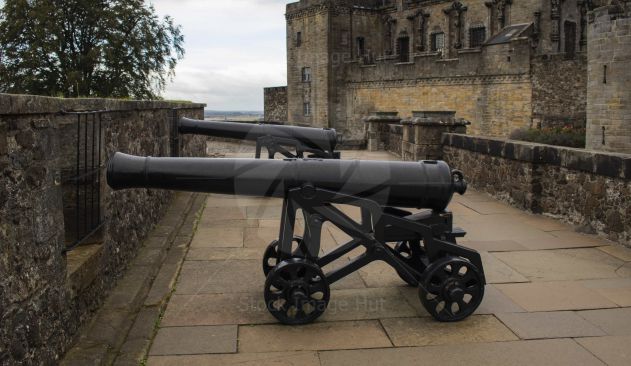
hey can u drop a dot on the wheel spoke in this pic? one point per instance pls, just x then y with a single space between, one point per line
461 305
473 290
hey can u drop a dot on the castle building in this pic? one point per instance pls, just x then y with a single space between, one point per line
500 64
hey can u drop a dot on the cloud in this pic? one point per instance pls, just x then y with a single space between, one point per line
233 50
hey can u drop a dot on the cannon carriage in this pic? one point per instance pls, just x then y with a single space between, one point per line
289 141
422 247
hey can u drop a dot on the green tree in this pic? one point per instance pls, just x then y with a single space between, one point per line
99 48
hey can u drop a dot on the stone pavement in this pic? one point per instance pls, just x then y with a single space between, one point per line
555 297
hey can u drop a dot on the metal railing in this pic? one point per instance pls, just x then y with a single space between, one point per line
84 185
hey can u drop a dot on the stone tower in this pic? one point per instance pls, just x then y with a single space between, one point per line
609 78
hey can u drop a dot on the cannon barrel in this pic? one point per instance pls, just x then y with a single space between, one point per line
425 184
317 138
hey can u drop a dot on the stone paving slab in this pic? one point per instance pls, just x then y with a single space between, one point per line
617 290
204 277
218 254
497 271
218 237
617 251
612 321
317 336
523 353
500 227
241 359
558 324
408 332
554 296
560 265
195 340
493 245
217 309
615 351
367 303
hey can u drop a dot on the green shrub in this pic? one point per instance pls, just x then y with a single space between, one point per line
560 136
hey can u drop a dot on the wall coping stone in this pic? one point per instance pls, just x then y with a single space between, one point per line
614 165
17 104
432 121
382 119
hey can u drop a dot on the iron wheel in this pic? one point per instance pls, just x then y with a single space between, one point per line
451 289
296 292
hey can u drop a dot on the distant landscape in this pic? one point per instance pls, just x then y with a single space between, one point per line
234 115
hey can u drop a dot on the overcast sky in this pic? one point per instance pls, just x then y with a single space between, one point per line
234 48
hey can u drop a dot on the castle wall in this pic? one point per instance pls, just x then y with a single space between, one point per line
275 104
495 105
312 21
559 90
525 82
609 84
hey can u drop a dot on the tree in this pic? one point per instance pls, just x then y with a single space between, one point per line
99 48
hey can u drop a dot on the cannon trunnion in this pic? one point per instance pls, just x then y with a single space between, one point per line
317 142
421 247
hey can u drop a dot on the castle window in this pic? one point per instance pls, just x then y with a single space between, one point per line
298 39
477 36
403 49
438 41
306 109
361 46
306 74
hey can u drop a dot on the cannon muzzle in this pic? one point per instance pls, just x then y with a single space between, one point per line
424 184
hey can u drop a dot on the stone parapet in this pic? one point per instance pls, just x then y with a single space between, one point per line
47 293
422 134
589 189
377 129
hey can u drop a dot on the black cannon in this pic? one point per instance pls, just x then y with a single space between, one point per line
421 246
317 142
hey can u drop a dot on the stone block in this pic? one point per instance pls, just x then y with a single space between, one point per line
554 296
228 276
318 336
612 321
522 353
608 165
562 324
613 351
409 332
195 340
561 265
240 359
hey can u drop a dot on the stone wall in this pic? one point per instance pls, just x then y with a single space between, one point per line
276 104
584 188
609 85
41 307
559 90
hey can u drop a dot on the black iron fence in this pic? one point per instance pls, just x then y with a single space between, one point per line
82 182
